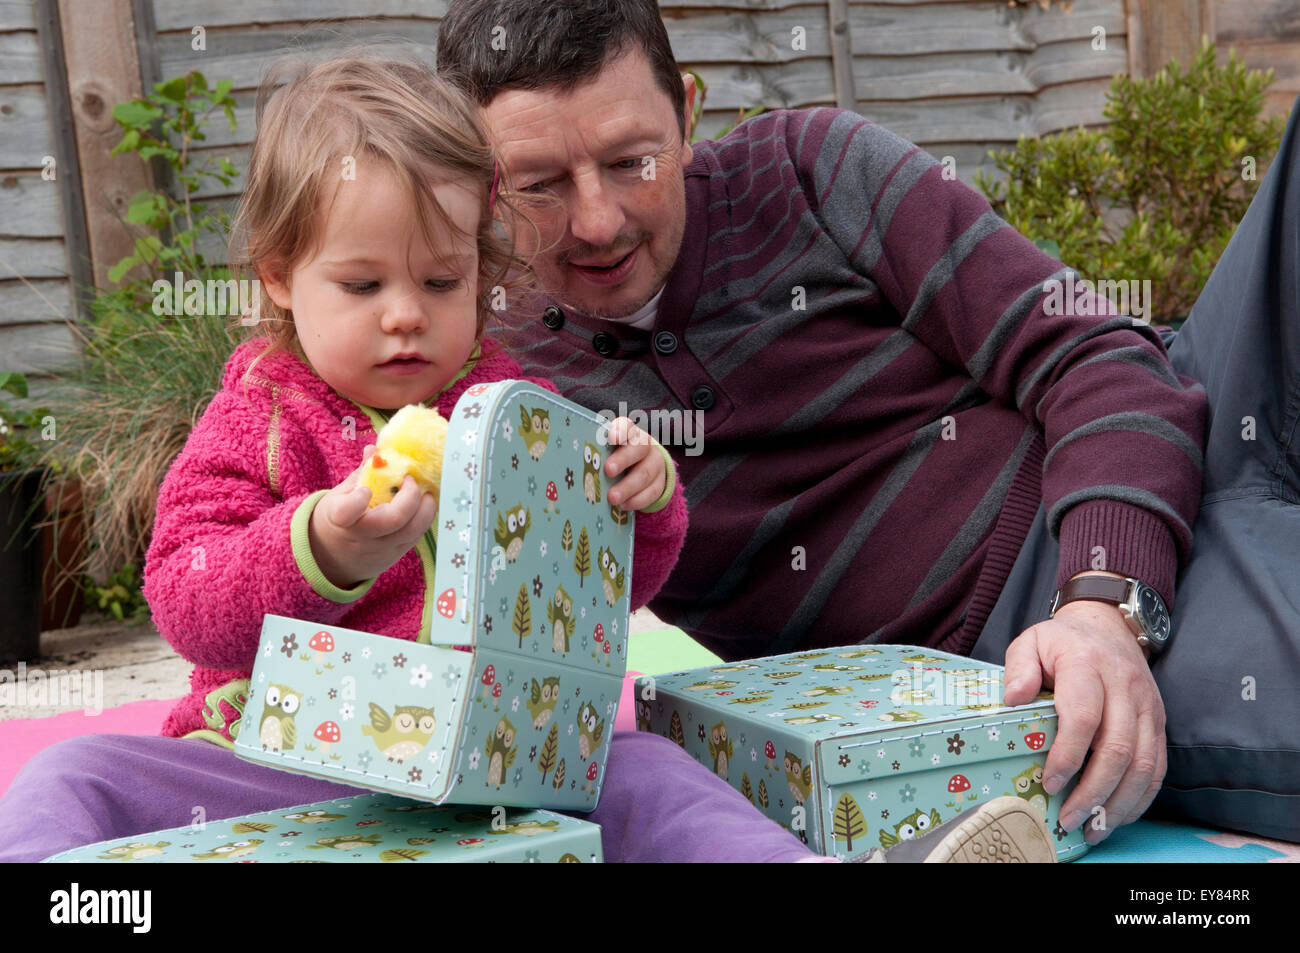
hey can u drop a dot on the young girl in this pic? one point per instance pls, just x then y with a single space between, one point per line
368 218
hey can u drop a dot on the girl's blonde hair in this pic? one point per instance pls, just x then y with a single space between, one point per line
364 102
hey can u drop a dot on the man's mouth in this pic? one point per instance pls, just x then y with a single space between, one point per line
607 272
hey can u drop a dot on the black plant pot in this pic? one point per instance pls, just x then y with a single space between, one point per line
20 566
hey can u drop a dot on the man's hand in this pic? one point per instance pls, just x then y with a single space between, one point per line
1106 700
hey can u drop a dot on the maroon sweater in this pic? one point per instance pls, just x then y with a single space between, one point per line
876 445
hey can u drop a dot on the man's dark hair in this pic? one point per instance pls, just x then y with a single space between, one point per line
552 44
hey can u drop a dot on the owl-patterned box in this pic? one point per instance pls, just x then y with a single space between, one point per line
367 828
861 746
513 701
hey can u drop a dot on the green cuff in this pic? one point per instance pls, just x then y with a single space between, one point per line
207 734
307 562
670 483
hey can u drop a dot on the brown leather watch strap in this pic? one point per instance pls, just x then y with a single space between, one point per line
1103 588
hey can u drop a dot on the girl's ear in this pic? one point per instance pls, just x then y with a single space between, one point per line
276 284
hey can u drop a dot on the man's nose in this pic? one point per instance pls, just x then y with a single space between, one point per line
595 217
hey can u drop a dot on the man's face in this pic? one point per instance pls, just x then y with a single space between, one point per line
612 153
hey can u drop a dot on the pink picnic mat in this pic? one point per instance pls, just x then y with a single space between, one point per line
20 738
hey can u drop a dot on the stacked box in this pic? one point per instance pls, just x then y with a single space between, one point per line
513 700
862 746
368 828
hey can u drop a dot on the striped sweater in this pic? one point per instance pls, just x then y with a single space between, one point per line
887 398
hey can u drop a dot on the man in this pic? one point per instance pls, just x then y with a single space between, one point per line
887 398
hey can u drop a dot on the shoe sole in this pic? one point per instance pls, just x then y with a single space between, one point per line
999 832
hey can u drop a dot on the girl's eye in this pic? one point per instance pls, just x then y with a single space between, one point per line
444 284
359 287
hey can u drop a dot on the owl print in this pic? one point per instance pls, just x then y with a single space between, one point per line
500 751
799 776
613 577
277 731
914 825
590 731
535 430
510 530
591 472
239 848
542 703
402 735
559 613
720 750
134 851
1028 784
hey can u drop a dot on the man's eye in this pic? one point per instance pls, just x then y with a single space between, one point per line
628 164
537 188
359 287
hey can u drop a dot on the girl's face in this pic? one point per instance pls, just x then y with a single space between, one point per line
383 318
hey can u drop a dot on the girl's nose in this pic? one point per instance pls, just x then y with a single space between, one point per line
405 311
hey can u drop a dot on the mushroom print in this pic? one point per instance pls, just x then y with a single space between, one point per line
402 735
327 733
958 784
489 676
447 603
322 643
552 497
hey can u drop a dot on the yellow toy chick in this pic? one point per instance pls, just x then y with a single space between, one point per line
411 442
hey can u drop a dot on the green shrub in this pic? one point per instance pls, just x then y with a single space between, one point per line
1158 192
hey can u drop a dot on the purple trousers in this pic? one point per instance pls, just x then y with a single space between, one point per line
657 804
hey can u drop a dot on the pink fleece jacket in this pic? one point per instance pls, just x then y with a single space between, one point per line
229 539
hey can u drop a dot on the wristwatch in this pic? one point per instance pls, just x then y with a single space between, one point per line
1143 609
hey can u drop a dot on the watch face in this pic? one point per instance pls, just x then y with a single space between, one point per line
1152 614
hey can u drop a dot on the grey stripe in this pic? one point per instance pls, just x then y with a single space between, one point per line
1140 357
1132 421
710 476
899 186
942 271
1119 493
977 524
1009 322
641 387
1048 364
828 580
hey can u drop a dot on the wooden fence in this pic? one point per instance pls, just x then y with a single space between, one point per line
959 77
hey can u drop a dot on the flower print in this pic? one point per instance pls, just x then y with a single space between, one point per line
884 815
334 693
934 759
537 586
880 752
399 660
346 712
503 607
984 789
514 703
844 761
753 754
415 774
364 760
473 410
864 767
916 746
568 477
907 792
896 766
955 744
555 569
701 731
575 446
871 795
380 670
600 524
471 469
543 549
473 759
451 524
463 501
458 560
1011 746
519 776
290 646
566 705
492 576
993 734
514 461
507 430
449 676
268 649
487 624
570 729
532 753
347 657
532 486
365 652
420 676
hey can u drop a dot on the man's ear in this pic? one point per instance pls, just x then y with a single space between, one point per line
688 82
275 281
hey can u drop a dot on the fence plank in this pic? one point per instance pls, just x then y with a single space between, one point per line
34 300
1247 21
32 258
24 127
37 348
20 58
30 206
17 15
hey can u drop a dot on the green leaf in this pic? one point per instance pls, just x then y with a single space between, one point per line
172 89
136 113
14 382
144 208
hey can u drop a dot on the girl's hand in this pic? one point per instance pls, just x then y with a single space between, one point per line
639 455
352 543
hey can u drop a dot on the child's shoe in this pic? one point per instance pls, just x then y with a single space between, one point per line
1006 830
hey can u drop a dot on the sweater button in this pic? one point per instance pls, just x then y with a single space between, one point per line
702 397
553 318
605 344
665 342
